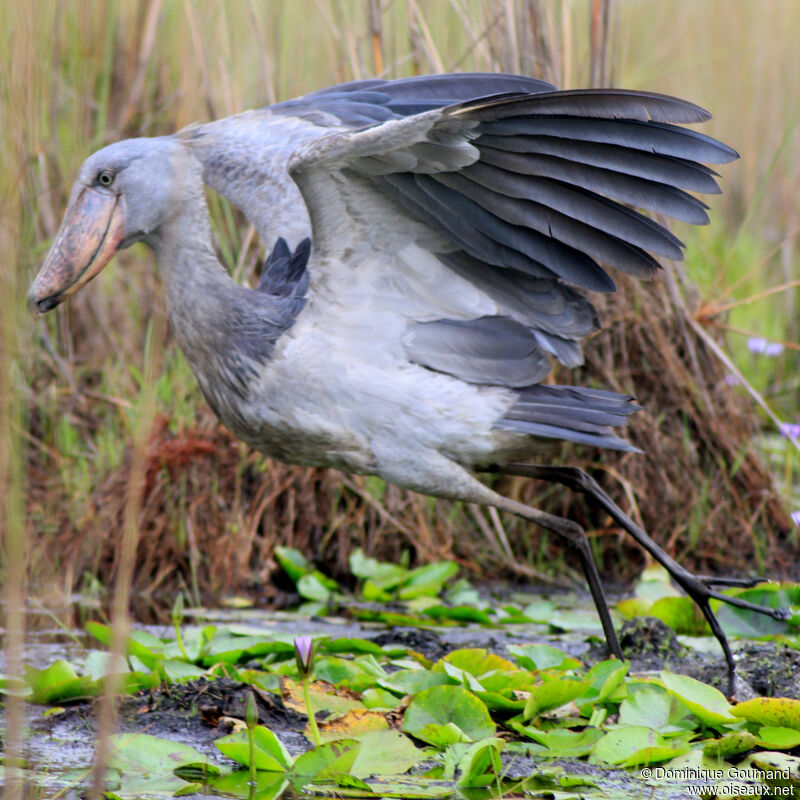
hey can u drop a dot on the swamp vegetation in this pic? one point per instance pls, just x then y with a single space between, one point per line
107 449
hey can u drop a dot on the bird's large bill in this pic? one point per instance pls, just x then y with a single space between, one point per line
93 227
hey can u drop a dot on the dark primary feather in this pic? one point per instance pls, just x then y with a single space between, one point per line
604 103
649 136
543 198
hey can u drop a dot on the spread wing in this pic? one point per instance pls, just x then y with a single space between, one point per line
464 229
244 157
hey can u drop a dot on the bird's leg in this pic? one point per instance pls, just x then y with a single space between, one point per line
575 538
699 588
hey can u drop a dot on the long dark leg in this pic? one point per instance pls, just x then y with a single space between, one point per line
697 587
575 538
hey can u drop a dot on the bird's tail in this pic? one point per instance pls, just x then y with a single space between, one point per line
575 413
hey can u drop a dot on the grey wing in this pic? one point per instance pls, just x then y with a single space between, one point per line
244 157
530 198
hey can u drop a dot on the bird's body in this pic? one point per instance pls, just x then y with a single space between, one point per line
452 241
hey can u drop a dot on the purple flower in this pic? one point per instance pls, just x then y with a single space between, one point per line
763 347
790 430
795 515
304 654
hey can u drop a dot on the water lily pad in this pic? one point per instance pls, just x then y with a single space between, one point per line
774 738
542 656
412 681
427 580
441 736
553 694
681 614
475 661
562 743
701 699
269 754
145 764
294 563
778 769
323 697
385 752
731 744
606 677
636 745
782 712
268 785
327 760
58 683
381 574
449 705
316 586
480 764
459 613
656 709
353 724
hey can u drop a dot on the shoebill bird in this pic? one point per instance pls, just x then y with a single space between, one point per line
433 241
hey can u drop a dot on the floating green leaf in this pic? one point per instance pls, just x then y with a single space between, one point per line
553 694
382 575
542 656
476 661
316 586
702 700
385 753
783 712
146 764
327 760
636 745
480 764
657 709
412 788
58 683
448 705
606 677
779 769
773 738
413 681
269 754
681 614
561 743
459 613
294 563
731 744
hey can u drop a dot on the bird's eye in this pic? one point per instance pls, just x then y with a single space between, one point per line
105 178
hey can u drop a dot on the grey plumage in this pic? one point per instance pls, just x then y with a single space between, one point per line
576 413
410 341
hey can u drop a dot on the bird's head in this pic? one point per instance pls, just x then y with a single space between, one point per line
124 193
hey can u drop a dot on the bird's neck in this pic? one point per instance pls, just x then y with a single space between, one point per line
192 276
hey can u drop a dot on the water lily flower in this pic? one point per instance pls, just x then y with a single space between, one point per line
304 654
764 347
790 430
795 515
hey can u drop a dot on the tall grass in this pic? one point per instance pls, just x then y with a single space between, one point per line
74 392
91 73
